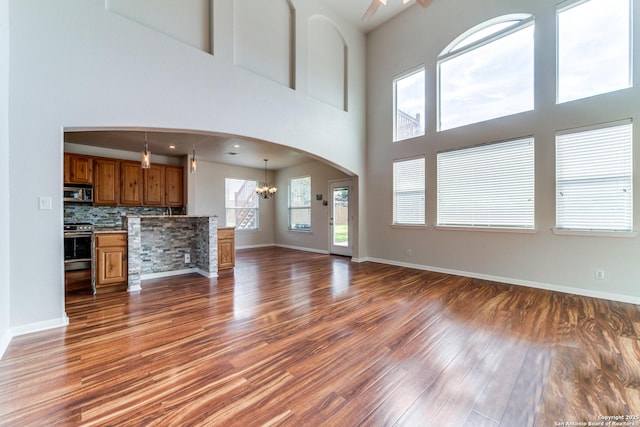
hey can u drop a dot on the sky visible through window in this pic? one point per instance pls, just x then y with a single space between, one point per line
492 80
591 61
409 93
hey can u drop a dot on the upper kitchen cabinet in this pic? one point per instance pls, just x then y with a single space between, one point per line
106 176
78 169
173 192
154 185
130 183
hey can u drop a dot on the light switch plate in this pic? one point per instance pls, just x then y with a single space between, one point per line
45 204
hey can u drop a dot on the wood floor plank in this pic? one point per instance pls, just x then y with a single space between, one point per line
293 338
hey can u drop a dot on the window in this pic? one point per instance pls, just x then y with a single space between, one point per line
487 72
594 178
490 186
241 204
409 191
300 203
408 103
592 61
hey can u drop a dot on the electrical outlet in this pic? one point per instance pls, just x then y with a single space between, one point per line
187 258
600 274
409 252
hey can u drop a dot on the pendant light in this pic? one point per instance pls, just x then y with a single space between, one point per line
194 163
266 189
145 162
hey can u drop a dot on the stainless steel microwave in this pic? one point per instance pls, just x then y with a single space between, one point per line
78 194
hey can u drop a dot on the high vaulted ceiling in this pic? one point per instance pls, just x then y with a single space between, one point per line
352 11
229 149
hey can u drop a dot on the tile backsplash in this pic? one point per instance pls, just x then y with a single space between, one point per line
110 216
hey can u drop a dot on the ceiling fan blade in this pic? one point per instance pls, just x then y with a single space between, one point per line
424 3
375 4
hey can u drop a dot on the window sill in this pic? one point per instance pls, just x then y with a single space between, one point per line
487 229
410 226
296 230
593 233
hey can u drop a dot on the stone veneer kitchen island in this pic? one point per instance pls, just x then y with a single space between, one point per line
158 246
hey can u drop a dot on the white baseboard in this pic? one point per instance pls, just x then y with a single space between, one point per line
264 245
4 342
39 326
298 248
206 273
538 285
172 273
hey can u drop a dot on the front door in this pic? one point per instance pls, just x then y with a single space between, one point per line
340 218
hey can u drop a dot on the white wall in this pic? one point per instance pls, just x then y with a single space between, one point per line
541 259
4 177
318 238
209 199
75 64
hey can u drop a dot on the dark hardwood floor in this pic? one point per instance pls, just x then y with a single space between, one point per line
301 339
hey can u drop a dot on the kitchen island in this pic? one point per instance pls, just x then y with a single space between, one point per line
164 245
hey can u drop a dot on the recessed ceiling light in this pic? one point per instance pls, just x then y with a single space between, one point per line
173 147
236 145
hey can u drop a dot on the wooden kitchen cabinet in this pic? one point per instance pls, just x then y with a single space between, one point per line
111 262
130 183
78 169
226 248
106 185
124 183
154 186
173 186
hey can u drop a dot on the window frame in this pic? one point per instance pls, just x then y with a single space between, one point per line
256 209
593 231
394 221
423 122
292 209
452 51
570 4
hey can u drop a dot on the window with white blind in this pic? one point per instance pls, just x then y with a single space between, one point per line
488 186
409 191
592 61
300 204
594 179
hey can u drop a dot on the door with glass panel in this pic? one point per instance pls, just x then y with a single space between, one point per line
340 218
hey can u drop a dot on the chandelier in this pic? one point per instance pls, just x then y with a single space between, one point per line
266 189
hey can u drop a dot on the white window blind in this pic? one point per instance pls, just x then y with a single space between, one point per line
594 179
408 191
488 186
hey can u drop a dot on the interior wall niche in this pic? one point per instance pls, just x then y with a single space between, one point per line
327 62
188 21
264 34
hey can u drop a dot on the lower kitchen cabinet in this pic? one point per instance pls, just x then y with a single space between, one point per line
226 248
111 262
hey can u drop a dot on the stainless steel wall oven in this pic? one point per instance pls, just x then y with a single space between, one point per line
77 246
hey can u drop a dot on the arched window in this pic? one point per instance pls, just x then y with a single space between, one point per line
487 72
